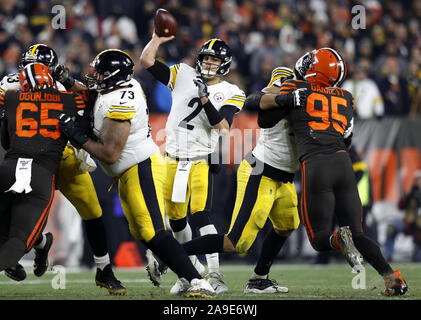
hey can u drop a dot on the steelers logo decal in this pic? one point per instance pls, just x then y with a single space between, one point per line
219 97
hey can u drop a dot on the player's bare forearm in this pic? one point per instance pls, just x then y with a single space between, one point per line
147 58
223 127
78 87
113 137
268 99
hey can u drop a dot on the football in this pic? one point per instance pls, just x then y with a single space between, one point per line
165 23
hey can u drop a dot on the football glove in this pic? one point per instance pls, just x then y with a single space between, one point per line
61 74
302 65
202 87
294 99
70 129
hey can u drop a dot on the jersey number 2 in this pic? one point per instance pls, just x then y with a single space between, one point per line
28 127
328 106
193 102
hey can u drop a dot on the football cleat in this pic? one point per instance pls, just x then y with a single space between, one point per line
41 256
16 273
342 241
106 279
153 269
395 284
264 286
180 287
200 288
216 280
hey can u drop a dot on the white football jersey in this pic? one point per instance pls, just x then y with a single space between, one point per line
276 147
189 133
128 103
11 82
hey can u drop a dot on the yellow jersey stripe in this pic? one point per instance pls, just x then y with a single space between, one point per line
235 102
286 72
174 71
239 97
122 107
116 115
273 80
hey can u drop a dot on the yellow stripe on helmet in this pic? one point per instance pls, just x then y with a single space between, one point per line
33 49
211 44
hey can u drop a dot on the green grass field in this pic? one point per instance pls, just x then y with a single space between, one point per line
305 282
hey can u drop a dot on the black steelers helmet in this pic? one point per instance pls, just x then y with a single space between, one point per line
216 48
39 53
115 65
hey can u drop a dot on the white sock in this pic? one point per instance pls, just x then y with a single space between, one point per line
183 235
43 242
258 276
213 258
102 262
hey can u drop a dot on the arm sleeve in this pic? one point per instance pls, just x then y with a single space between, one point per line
228 112
161 72
253 101
270 117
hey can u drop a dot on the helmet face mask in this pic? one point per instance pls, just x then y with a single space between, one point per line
110 69
215 48
209 66
40 53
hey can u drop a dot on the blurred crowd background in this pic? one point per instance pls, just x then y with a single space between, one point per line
384 73
262 34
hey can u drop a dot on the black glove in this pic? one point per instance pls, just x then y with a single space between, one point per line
69 127
294 99
61 74
202 87
302 65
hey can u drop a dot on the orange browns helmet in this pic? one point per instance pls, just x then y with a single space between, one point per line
328 68
35 76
